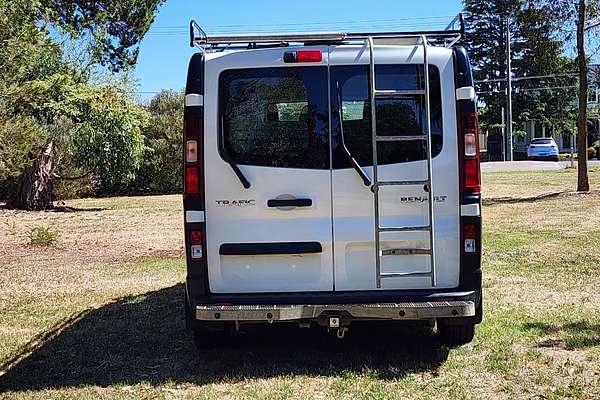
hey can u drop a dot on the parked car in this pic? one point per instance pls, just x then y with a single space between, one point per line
291 216
543 149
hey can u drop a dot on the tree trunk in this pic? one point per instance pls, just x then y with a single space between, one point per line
34 190
583 184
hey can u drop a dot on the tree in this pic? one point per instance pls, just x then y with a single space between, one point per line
576 13
109 141
161 170
115 27
536 51
47 101
583 184
98 125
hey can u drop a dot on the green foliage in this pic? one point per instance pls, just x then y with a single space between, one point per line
42 236
96 130
110 142
115 27
161 170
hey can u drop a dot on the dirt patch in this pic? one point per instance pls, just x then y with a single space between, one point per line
108 233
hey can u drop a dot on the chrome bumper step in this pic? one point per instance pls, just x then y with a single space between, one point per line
385 311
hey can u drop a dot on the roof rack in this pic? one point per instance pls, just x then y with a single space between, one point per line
207 43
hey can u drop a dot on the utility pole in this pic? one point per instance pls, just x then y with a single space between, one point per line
509 131
503 135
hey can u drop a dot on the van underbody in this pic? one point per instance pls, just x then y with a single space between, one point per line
299 209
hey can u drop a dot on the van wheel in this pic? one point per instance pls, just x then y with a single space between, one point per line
456 335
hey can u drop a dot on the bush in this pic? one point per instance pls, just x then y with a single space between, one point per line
42 237
161 169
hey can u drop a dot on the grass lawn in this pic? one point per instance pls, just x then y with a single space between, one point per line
99 313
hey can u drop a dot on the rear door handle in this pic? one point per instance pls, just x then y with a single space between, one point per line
276 203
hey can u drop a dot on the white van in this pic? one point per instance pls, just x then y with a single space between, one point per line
307 202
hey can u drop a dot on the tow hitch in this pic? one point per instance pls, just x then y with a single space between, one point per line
339 324
341 332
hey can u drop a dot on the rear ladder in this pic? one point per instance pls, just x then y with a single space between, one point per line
374 95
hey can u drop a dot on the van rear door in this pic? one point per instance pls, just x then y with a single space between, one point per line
397 68
267 122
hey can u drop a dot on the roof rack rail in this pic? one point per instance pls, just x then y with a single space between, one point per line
206 43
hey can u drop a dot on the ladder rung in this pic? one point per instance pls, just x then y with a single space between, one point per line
404 138
392 93
402 183
404 274
405 252
405 228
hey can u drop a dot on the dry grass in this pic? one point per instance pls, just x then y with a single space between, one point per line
99 313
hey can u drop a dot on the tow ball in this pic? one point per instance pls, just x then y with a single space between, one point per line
334 323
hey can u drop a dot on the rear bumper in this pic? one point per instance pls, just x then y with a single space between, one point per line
546 157
307 312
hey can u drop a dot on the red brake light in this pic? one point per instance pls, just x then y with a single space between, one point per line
470 137
191 180
472 176
310 56
303 56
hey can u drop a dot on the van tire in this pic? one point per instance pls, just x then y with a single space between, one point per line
456 335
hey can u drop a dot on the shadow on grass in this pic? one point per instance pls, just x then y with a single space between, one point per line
143 339
532 199
67 209
575 335
516 200
57 209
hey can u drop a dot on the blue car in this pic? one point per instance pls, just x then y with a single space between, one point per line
543 149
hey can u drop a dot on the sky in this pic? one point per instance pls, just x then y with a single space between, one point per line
165 51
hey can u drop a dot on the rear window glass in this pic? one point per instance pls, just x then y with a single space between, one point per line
541 141
276 117
402 115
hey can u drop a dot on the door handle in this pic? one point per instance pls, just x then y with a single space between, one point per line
277 203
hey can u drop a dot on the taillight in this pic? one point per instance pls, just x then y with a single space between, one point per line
196 241
192 156
191 180
196 237
471 178
470 145
303 56
470 237
470 231
191 151
193 166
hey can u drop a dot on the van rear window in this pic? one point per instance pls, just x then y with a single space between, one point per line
279 117
276 117
398 116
